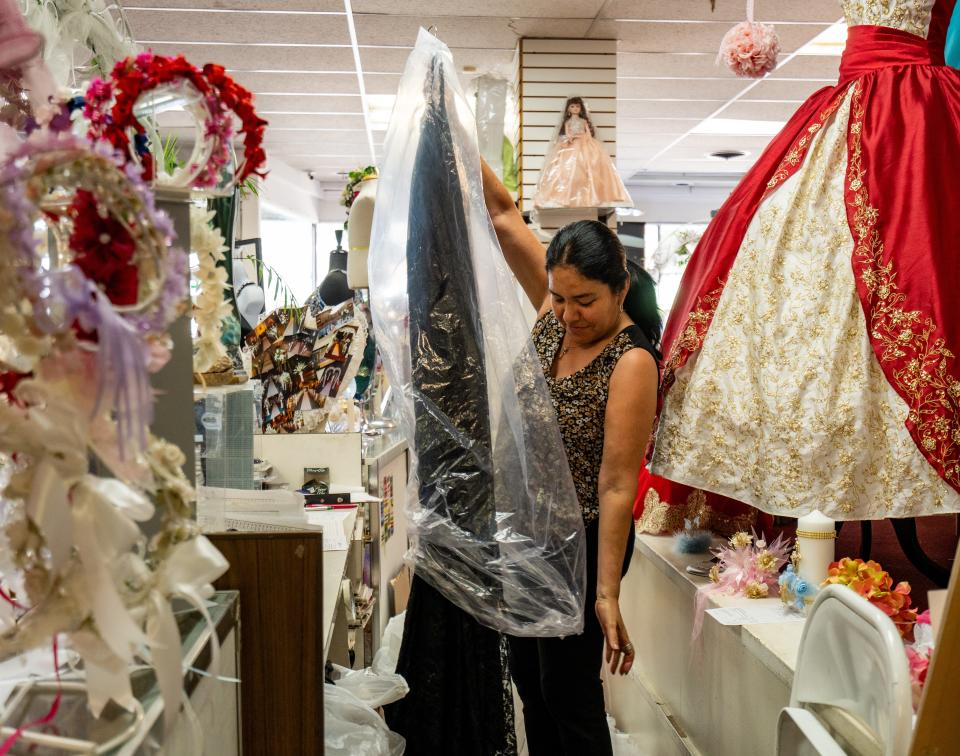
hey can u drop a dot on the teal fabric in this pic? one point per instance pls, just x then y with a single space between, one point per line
952 50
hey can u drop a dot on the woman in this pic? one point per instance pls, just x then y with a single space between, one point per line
595 335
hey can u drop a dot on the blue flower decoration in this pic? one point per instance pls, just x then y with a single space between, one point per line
802 587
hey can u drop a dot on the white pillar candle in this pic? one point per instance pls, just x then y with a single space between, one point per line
816 534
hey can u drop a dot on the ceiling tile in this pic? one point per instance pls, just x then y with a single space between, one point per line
785 89
752 110
244 28
393 59
694 89
256 58
508 8
300 103
667 109
729 11
692 37
669 64
330 6
300 83
478 32
810 67
626 126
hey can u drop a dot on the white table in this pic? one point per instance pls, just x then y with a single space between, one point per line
718 695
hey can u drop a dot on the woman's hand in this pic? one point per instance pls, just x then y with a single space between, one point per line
619 651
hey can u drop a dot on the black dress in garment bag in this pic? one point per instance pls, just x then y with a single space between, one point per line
459 700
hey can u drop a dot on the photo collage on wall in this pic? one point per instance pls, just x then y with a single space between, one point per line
305 359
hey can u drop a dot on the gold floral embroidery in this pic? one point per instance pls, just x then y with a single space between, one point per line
662 518
691 338
907 15
924 370
794 157
785 405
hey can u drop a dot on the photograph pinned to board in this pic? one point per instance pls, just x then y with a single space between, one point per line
305 358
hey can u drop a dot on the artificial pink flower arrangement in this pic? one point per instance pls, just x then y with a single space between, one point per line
749 566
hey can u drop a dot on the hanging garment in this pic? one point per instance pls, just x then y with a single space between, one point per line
578 172
811 350
498 541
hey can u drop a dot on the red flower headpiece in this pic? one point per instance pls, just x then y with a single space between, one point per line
221 95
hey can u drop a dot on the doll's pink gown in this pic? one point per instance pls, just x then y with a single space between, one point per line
578 172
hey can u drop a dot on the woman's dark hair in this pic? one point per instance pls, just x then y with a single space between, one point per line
583 114
595 252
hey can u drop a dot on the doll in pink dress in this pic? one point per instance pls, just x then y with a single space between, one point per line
577 171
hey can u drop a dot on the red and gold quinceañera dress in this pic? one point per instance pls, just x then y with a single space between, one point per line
812 353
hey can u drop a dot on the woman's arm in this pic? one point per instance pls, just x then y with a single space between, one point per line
521 249
631 406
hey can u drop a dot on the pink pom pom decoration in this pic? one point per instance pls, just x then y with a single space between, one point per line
750 49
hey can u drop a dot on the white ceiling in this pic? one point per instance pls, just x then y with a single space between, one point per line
296 55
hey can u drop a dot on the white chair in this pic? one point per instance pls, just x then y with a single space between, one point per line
851 688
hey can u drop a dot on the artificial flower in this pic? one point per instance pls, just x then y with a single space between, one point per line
220 94
874 584
738 569
750 49
766 561
918 664
757 590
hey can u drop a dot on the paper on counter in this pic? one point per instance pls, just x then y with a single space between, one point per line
332 521
762 614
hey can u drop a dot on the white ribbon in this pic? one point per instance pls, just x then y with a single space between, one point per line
187 573
47 507
103 512
108 676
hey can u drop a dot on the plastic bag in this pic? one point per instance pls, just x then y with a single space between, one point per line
494 515
385 660
351 728
371 687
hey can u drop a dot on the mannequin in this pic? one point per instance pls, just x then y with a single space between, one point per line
360 223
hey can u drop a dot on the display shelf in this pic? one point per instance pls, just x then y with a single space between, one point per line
718 694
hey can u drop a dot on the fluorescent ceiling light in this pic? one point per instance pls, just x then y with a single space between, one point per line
364 102
831 41
379 109
738 127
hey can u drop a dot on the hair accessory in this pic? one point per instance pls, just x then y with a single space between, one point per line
211 96
750 49
84 327
119 283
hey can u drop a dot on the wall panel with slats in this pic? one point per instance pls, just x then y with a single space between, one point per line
551 70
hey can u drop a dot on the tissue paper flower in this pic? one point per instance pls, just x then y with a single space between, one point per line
750 49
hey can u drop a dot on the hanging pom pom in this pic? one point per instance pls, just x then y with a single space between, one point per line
750 49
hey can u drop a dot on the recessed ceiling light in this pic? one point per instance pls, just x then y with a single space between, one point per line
469 69
727 154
